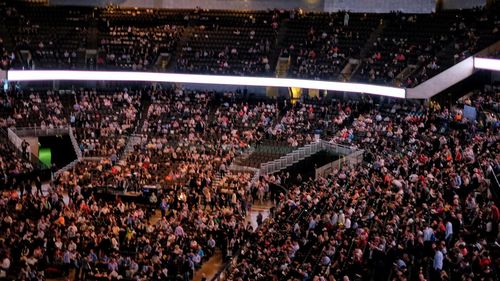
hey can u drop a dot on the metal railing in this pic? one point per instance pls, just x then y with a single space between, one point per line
67 167
349 160
15 136
304 152
16 141
76 147
39 132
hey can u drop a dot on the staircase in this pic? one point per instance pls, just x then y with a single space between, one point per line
373 37
365 51
351 66
404 74
142 116
132 141
282 67
136 137
183 40
279 39
90 54
302 153
23 57
252 159
93 35
162 62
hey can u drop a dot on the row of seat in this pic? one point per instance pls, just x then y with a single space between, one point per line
319 44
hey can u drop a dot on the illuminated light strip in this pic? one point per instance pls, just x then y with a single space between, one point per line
489 64
50 75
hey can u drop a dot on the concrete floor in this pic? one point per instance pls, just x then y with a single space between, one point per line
210 268
215 264
256 209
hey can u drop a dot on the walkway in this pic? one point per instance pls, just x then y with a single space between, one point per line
215 264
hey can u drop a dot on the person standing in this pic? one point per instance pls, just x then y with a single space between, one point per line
437 265
38 184
346 19
259 218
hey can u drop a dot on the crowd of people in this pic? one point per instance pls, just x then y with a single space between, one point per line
12 162
6 56
320 45
406 48
422 205
102 121
231 43
50 37
418 207
136 48
42 109
200 210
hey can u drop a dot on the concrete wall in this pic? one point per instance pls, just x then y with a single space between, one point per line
224 88
310 5
381 6
350 160
33 141
443 80
374 6
462 4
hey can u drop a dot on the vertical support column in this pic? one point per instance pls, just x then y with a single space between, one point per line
55 85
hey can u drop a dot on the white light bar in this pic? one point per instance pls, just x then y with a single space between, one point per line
489 64
49 75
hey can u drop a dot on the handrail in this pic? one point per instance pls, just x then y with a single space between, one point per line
303 152
350 159
37 131
75 144
14 138
67 167
17 143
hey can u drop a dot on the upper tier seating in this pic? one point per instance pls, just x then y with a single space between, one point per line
396 48
236 43
320 45
133 39
55 36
